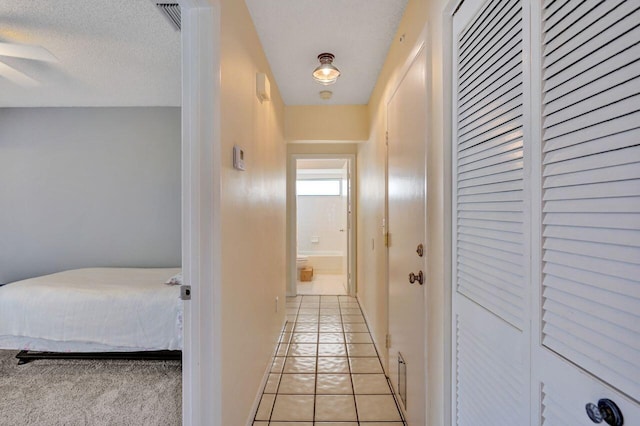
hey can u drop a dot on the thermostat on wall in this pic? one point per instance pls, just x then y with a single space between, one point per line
238 158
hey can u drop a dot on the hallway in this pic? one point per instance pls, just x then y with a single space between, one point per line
326 370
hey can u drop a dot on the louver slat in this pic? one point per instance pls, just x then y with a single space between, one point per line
492 252
595 117
596 50
566 11
489 158
601 15
553 7
606 221
488 371
619 308
496 29
599 11
490 91
491 67
595 103
471 32
499 36
556 411
613 70
591 191
598 146
492 188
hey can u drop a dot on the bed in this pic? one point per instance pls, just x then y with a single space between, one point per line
94 312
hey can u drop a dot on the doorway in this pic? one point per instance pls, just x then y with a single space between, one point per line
321 259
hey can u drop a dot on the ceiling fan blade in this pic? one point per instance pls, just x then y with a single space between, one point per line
26 51
16 76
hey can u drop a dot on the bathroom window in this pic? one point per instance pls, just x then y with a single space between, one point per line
318 187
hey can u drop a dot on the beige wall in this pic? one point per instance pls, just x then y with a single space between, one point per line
326 123
372 288
253 215
322 148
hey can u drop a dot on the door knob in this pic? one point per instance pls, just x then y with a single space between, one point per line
413 278
606 410
341 230
420 250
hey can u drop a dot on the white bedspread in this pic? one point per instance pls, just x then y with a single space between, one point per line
124 308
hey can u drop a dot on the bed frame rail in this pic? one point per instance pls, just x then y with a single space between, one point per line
28 356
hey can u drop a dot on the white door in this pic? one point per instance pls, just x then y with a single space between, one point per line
587 335
546 235
490 255
406 117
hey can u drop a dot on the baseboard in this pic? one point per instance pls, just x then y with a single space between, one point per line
265 377
384 367
373 335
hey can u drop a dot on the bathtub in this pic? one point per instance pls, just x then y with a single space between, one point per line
326 262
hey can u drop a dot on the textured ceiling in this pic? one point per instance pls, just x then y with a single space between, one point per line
123 52
110 53
357 32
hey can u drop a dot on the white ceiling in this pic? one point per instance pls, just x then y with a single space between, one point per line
110 52
357 32
124 52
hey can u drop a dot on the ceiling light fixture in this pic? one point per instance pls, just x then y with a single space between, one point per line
326 73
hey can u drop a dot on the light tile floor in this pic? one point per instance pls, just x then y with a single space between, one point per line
326 370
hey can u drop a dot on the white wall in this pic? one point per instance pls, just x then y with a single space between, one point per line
84 187
322 217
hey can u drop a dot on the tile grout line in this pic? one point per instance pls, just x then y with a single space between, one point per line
284 363
299 307
315 376
393 394
346 348
273 361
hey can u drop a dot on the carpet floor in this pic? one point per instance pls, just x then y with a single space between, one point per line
89 392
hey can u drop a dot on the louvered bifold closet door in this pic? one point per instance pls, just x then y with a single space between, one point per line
591 200
490 256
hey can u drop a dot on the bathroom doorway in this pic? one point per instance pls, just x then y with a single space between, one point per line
322 225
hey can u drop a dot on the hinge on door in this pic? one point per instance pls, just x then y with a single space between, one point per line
387 239
387 343
386 138
185 292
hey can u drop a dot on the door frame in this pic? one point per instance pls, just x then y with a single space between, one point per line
201 250
447 67
422 43
292 223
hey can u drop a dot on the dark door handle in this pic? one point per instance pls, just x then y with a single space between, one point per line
413 278
606 410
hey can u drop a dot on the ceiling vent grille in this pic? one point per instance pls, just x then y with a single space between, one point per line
171 11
